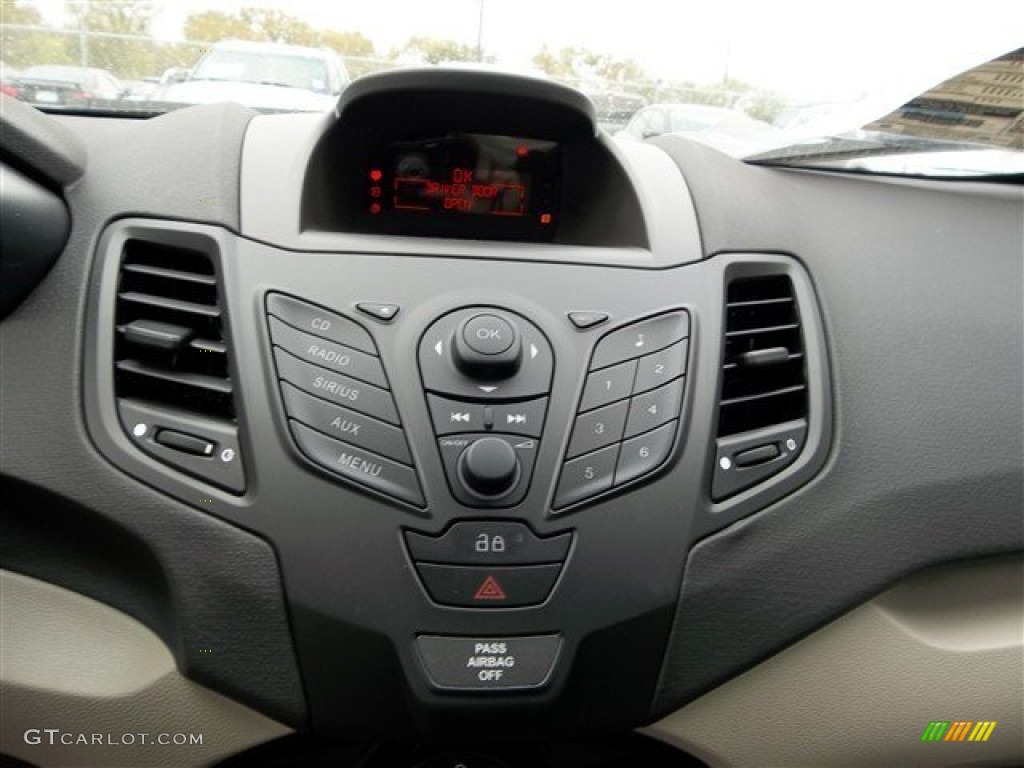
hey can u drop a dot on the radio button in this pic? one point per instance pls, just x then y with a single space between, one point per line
327 354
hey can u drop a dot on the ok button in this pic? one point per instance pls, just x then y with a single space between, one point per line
488 334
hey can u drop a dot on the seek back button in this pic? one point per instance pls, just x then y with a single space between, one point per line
488 663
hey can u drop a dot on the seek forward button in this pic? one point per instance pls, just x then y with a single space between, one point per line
520 418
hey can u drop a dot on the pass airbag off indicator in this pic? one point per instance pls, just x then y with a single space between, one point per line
488 663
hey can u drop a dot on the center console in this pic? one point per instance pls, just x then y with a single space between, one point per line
466 368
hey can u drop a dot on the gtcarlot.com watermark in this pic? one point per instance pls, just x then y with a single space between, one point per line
55 736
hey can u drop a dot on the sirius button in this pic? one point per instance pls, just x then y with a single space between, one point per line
339 389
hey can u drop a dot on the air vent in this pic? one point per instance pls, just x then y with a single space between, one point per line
764 380
171 373
762 418
170 346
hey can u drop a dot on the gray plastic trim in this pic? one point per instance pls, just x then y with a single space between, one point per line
40 144
473 83
946 644
73 664
34 226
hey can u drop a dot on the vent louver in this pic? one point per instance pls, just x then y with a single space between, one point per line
170 347
763 405
764 379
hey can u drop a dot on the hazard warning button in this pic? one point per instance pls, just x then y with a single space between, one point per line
466 587
488 663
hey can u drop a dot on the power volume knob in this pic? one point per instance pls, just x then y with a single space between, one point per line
489 467
487 346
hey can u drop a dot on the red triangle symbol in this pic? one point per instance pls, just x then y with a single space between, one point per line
490 590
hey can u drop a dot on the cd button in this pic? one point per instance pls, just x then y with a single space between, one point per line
319 322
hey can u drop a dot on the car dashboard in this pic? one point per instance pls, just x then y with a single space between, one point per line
444 429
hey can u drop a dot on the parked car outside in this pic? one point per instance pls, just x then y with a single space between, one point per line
66 86
724 129
264 76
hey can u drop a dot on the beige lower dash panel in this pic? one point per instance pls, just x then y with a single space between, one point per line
946 645
80 683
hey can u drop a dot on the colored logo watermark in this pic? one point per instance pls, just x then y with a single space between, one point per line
958 730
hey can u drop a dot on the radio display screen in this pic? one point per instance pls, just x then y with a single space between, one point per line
493 184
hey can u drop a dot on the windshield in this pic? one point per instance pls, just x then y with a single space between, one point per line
884 87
